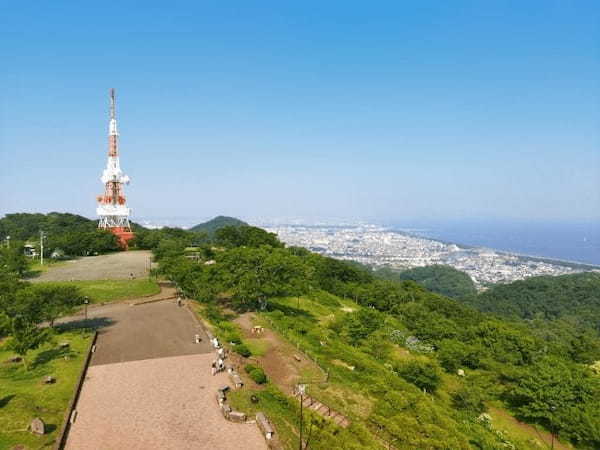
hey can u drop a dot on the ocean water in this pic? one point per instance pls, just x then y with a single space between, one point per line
577 241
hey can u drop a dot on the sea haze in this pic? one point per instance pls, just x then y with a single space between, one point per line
567 241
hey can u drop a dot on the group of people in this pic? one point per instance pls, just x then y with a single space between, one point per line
219 364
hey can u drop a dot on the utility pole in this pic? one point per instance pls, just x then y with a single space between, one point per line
42 237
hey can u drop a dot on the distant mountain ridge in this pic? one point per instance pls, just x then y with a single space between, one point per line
218 222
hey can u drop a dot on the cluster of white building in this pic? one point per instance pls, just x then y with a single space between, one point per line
377 246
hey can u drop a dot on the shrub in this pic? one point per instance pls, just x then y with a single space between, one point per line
234 338
469 399
242 350
424 375
258 375
250 367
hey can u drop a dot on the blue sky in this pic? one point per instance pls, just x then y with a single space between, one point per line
384 111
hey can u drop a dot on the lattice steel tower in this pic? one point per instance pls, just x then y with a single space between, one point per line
112 207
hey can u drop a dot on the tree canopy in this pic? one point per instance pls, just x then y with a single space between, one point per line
438 278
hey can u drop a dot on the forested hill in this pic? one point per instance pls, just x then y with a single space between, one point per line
408 366
218 222
68 234
24 226
441 279
573 297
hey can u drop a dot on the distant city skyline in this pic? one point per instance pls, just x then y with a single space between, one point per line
387 113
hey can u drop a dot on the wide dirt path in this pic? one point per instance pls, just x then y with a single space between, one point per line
114 266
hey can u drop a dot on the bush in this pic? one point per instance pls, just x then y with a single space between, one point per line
242 350
469 399
250 367
424 375
234 338
454 354
258 375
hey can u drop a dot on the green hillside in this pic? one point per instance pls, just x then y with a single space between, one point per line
570 297
74 235
409 368
441 279
218 222
24 226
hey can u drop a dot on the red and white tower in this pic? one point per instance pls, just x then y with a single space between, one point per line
112 207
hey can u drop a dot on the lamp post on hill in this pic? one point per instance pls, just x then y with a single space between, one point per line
301 389
552 408
86 300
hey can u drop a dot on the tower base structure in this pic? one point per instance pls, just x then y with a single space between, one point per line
124 235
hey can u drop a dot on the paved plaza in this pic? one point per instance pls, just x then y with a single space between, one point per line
163 403
149 385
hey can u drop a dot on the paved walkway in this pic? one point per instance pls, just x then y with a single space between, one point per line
152 330
165 403
149 385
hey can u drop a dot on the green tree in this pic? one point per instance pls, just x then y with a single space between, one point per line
55 300
245 236
562 397
25 336
469 399
12 260
361 324
253 275
423 374
453 354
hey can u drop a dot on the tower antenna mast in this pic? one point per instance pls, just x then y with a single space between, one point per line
112 207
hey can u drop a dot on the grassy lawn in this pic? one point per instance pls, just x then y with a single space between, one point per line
23 396
100 291
258 347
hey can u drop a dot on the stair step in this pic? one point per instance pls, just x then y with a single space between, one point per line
316 405
323 410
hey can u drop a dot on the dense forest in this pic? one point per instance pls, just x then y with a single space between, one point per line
438 278
575 297
25 226
419 402
69 234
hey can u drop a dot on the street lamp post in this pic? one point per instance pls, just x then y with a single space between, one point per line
301 391
552 408
7 241
86 300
